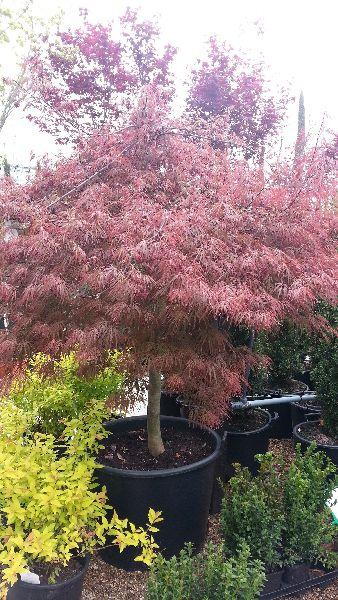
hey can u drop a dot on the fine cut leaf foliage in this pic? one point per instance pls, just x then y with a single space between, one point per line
169 239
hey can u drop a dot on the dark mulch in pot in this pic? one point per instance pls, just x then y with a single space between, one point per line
129 450
55 573
314 432
247 419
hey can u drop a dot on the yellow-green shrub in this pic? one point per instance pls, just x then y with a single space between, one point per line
52 391
50 510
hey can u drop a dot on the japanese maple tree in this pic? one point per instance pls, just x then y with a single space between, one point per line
148 238
90 76
228 83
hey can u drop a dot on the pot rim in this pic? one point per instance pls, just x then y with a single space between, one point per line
297 434
316 407
45 587
174 471
247 433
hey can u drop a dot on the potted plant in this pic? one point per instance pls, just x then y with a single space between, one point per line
247 434
285 348
252 510
147 255
324 430
282 515
52 518
308 486
208 576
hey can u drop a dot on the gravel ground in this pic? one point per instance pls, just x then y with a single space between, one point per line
104 582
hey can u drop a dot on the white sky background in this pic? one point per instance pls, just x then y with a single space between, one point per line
299 44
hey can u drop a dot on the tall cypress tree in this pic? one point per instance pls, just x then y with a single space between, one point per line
300 142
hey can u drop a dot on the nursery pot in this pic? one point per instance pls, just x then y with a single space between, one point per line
282 427
299 412
242 446
299 437
70 589
273 582
296 573
183 495
169 406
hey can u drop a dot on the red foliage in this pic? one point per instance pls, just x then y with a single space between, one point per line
226 84
170 237
86 78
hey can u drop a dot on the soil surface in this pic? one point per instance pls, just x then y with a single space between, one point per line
314 433
129 450
247 419
53 573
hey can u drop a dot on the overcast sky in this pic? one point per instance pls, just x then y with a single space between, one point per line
299 43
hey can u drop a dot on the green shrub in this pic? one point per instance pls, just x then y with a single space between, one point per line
50 511
53 391
285 347
282 515
252 510
308 522
207 576
325 372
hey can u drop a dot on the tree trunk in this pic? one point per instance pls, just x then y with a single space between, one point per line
248 368
155 443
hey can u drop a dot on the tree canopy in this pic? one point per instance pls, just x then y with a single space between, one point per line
146 238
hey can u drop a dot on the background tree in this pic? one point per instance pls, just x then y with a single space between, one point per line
91 76
146 239
20 31
230 84
300 141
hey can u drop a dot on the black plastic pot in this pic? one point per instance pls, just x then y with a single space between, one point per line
220 469
299 412
296 574
273 581
298 436
66 590
242 446
183 495
169 406
282 427
288 591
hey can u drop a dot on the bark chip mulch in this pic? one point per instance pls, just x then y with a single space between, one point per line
313 431
104 582
129 450
247 419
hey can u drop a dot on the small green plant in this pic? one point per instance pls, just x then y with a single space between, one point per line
308 485
207 576
54 391
282 515
50 510
252 510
